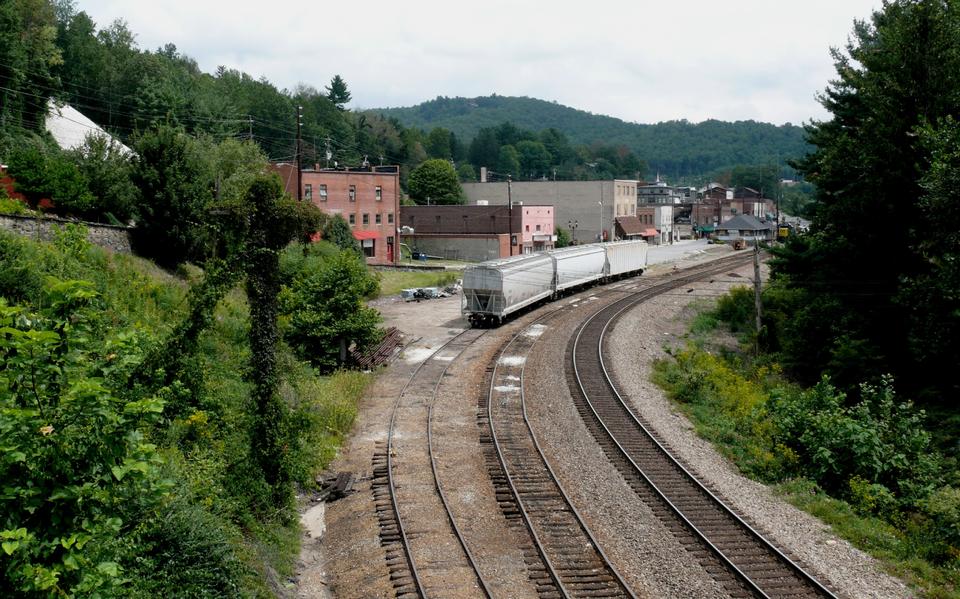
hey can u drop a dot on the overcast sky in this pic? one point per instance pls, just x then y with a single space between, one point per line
638 60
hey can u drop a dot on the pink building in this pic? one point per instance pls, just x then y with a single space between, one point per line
536 228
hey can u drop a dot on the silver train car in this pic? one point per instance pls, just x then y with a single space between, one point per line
496 289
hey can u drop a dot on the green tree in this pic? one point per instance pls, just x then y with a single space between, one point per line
484 149
176 181
900 73
43 171
466 173
438 144
107 170
337 231
337 92
325 306
563 238
508 161
28 58
437 181
535 160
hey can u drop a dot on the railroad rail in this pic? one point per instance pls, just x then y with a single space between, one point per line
413 405
751 563
574 565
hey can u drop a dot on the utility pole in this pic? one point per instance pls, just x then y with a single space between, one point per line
299 154
756 286
510 212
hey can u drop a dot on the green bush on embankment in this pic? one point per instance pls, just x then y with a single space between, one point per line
110 487
866 465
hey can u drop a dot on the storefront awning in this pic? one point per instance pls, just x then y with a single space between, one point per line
650 233
361 235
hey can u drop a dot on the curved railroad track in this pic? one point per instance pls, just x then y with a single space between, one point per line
419 499
573 565
751 564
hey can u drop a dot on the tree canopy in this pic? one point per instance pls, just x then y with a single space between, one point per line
435 181
872 285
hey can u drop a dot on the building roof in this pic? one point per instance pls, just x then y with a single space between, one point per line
631 225
744 222
70 128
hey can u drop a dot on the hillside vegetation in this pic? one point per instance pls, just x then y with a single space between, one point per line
121 481
677 149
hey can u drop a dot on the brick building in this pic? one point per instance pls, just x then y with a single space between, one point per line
368 199
478 232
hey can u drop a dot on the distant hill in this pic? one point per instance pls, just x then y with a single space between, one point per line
677 149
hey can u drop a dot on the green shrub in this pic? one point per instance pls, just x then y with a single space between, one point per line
322 307
878 440
77 468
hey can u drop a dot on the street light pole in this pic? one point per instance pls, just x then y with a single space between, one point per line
600 233
510 210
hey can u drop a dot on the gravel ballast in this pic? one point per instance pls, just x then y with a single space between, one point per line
642 333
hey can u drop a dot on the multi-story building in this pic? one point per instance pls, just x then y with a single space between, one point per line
659 192
367 198
478 232
579 205
660 218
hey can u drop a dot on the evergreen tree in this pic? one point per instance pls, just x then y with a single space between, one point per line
337 92
900 74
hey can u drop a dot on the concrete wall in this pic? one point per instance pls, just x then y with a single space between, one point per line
474 248
112 238
574 201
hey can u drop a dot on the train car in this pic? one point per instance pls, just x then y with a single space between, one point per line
494 289
625 258
578 265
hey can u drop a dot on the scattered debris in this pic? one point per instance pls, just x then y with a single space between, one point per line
383 352
336 487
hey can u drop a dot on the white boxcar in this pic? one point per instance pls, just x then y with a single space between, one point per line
578 265
626 257
496 288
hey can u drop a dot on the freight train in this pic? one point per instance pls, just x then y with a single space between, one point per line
495 289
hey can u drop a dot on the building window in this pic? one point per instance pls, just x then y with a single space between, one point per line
538 227
353 193
379 193
377 218
353 219
308 192
323 192
369 248
528 228
390 218
366 218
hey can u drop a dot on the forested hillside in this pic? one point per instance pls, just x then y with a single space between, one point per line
677 149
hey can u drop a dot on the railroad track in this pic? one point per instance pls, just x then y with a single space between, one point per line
446 565
565 559
751 565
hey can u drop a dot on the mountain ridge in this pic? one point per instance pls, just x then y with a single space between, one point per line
679 148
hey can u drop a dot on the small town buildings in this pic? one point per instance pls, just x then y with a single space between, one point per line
747 227
658 217
367 198
659 192
631 227
478 232
587 208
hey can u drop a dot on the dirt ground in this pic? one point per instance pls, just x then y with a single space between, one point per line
341 554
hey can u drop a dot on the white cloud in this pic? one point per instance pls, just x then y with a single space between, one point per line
640 61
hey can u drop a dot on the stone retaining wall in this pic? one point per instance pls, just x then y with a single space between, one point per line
105 236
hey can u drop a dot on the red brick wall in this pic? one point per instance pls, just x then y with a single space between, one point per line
338 201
